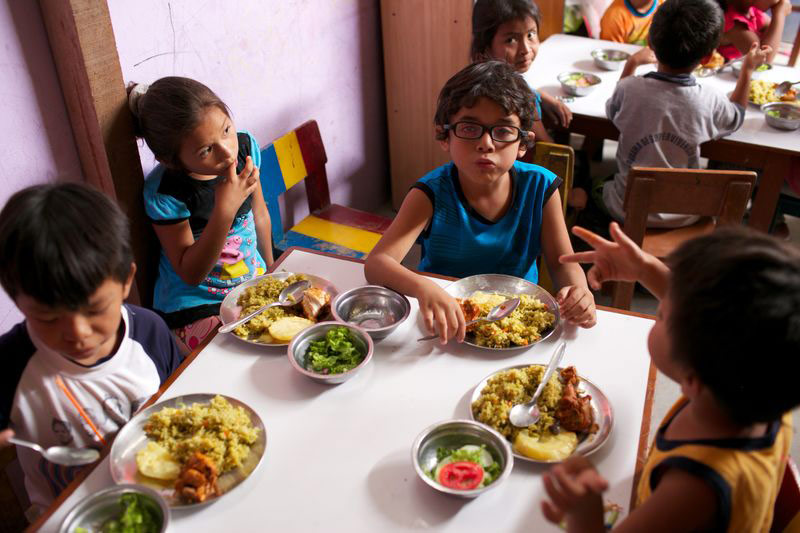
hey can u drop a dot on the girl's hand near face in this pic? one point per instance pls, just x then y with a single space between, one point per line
441 312
234 190
576 306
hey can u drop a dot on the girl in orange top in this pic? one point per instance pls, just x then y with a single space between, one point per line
727 332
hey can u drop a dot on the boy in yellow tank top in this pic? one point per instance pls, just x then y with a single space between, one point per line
728 331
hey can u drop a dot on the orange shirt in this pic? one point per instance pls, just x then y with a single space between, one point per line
620 24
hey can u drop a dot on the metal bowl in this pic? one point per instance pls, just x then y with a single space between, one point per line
300 344
230 310
378 310
574 90
788 115
454 434
504 284
736 68
609 59
98 508
603 415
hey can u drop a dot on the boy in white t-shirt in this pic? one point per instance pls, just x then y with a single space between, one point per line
68 266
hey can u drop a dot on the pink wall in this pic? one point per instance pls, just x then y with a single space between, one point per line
276 64
35 136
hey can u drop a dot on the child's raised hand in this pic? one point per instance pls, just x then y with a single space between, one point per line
441 313
574 488
620 260
235 189
756 56
576 306
645 56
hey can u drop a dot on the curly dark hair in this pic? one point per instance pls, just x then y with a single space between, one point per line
60 242
488 15
495 80
735 320
683 32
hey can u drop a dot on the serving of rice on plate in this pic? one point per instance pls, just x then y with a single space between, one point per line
524 326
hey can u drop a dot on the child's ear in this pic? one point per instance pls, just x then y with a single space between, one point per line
444 143
126 287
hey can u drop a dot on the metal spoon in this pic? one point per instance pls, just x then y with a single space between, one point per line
291 295
524 414
61 455
784 87
498 311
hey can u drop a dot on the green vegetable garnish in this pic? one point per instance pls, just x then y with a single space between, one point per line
762 67
137 517
473 454
774 113
335 354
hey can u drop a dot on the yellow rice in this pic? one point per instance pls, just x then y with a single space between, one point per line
252 298
523 326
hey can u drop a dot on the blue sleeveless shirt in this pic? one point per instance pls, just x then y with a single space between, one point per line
459 242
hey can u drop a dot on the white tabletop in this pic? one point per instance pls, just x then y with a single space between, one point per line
338 457
560 53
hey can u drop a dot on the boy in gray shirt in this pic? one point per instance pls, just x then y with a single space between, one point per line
664 116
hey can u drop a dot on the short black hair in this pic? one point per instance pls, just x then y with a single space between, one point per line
735 320
488 15
683 32
60 242
495 80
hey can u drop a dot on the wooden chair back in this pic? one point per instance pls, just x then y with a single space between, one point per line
721 194
786 514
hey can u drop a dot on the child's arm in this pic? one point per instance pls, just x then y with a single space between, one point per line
681 501
558 107
540 133
193 260
754 57
644 56
620 260
440 311
263 224
575 300
742 38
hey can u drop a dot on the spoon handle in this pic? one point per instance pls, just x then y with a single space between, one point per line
27 444
555 360
233 325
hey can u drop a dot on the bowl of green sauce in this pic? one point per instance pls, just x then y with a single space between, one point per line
330 352
119 509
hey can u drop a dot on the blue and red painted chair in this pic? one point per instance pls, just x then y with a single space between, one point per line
300 155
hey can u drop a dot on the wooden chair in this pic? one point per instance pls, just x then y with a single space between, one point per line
786 514
300 155
560 160
722 194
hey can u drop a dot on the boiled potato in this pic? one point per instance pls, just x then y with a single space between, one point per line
155 461
548 447
284 329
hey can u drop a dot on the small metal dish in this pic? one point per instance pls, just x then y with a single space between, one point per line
453 434
609 59
378 310
736 68
603 414
565 77
300 344
95 510
782 115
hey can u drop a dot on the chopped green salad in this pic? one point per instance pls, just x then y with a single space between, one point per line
137 517
466 468
335 354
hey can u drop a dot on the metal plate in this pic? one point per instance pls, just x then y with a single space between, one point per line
503 284
603 415
230 310
132 438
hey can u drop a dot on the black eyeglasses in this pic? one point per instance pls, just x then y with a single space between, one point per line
473 131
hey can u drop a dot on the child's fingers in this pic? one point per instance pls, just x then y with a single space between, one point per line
554 491
595 278
621 238
256 175
551 512
441 323
569 486
247 171
592 239
461 327
578 257
427 317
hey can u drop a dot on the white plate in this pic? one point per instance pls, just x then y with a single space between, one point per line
132 438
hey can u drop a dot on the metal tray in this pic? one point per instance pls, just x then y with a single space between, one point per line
587 444
504 284
132 438
230 310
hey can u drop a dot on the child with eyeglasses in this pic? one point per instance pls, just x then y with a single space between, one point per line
484 212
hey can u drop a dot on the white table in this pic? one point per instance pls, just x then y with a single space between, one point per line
755 144
338 457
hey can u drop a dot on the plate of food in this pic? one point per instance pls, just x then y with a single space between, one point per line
576 417
535 319
192 449
277 325
710 66
763 92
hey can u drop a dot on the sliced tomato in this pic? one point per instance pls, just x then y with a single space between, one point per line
461 475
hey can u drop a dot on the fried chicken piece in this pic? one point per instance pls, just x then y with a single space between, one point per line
198 479
470 310
574 412
314 302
